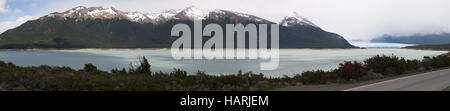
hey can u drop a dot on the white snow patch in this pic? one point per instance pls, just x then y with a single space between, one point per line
195 13
136 16
168 14
296 19
97 12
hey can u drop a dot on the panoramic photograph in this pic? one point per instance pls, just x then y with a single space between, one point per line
224 45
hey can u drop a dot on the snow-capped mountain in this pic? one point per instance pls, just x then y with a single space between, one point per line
113 28
163 16
194 13
296 19
189 13
83 13
137 16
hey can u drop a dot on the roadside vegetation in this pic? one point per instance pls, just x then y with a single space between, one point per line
376 67
141 78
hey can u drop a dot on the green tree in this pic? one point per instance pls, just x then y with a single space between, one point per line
90 68
145 66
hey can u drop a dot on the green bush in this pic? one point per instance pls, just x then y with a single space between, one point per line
313 77
144 66
6 65
413 64
179 73
386 65
3 64
440 61
90 68
426 63
117 71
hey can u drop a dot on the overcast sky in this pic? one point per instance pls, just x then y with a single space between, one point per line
353 19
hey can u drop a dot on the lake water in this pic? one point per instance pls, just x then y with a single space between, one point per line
292 61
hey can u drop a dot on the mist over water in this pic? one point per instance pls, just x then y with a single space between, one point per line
368 44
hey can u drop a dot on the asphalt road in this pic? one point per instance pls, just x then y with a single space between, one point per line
429 81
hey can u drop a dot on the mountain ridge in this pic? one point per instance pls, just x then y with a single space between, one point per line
189 13
420 39
98 27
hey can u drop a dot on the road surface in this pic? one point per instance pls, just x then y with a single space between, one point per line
429 81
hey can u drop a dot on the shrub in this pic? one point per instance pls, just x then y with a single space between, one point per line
144 67
313 77
2 64
117 71
427 62
440 61
350 71
371 76
178 73
90 68
46 78
386 64
413 64
7 65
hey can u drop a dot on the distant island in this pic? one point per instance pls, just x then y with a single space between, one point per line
98 27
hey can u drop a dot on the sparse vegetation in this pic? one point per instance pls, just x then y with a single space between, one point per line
44 78
440 61
373 68
90 68
313 77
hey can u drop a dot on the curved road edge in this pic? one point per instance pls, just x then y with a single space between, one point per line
437 80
